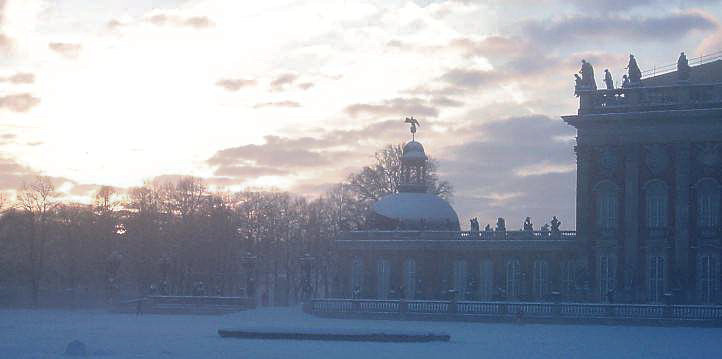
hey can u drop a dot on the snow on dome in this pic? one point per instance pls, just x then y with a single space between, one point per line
413 209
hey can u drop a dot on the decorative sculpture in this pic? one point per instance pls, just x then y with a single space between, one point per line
487 228
635 75
587 72
528 226
578 84
555 224
500 225
683 68
625 81
475 225
608 80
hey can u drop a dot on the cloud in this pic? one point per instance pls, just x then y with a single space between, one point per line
249 171
19 102
235 84
395 107
68 50
305 86
196 22
584 28
288 104
615 6
19 78
283 80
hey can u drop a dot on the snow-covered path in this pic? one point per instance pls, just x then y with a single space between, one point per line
45 333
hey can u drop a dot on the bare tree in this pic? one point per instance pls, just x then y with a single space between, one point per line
37 199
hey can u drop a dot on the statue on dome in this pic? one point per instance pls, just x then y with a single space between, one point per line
635 75
411 120
683 67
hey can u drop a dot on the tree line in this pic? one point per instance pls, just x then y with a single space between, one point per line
181 238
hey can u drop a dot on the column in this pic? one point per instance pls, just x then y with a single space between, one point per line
631 273
682 182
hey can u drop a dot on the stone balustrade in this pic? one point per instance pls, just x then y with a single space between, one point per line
458 235
653 98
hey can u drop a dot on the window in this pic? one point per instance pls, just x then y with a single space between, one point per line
383 270
568 285
707 279
460 278
656 193
607 205
656 279
513 278
540 282
409 278
486 280
357 275
708 198
607 273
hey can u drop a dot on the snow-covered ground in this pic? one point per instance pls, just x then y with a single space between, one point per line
45 333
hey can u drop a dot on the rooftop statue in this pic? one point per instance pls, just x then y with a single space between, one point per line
625 81
683 67
555 224
635 75
475 225
587 72
528 226
500 225
608 80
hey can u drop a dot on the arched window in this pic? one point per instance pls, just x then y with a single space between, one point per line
540 282
607 276
460 278
409 278
708 198
357 276
656 279
486 280
383 281
656 194
513 278
707 279
606 205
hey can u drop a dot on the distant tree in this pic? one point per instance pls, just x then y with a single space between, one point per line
384 177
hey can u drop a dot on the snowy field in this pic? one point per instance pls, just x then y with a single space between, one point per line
45 333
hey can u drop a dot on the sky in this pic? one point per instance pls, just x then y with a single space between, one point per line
295 95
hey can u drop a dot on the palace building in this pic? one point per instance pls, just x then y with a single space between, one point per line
649 177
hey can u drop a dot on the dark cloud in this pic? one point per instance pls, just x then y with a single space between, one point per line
19 78
395 107
283 80
276 152
235 84
489 176
585 28
470 78
305 86
196 22
13 175
19 102
249 171
443 101
625 5
68 50
288 104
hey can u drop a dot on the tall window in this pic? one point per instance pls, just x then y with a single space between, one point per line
383 282
486 280
513 278
656 193
708 199
409 278
607 274
656 279
357 275
540 283
568 279
707 279
607 205
460 278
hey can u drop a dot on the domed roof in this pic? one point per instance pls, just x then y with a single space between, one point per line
416 210
414 150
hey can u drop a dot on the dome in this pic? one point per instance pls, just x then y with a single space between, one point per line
415 211
414 150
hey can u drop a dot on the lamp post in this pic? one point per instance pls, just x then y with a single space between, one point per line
306 261
248 262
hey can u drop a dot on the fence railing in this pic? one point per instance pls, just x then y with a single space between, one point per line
538 310
651 98
459 235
